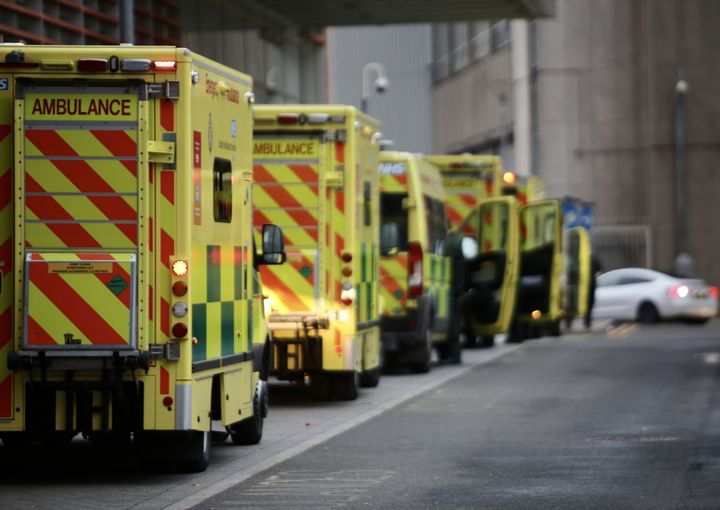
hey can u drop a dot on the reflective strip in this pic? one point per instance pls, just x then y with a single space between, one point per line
58 304
287 195
393 283
69 193
183 406
6 270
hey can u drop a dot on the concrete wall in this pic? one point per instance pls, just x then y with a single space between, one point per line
405 52
603 116
285 68
606 107
474 107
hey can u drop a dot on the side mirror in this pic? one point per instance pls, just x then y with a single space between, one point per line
469 247
389 239
273 246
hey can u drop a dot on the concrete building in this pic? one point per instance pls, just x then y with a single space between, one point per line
404 109
588 101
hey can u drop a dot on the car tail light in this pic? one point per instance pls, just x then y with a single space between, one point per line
714 292
415 269
679 291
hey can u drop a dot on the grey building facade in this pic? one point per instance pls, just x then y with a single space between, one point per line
593 112
404 109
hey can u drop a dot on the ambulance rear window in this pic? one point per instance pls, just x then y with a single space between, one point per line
222 190
392 211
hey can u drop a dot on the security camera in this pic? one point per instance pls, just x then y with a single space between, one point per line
381 84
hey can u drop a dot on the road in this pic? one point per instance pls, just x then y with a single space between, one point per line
84 477
628 419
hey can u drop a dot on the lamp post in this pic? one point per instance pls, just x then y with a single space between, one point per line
381 82
683 260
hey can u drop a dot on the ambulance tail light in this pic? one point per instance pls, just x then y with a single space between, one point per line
288 118
179 305
714 292
415 270
346 257
179 330
164 65
180 268
92 64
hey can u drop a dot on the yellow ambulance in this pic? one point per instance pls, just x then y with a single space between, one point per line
315 170
415 269
129 301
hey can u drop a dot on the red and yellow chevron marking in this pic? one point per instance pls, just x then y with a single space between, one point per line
63 208
458 206
393 284
6 270
393 183
93 304
287 195
167 231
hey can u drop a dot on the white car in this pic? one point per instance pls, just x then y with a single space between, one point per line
645 295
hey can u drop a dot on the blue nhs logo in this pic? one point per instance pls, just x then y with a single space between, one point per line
4 83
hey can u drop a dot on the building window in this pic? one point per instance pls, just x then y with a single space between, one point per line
222 190
499 34
479 39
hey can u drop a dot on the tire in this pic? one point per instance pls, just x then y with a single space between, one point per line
517 333
487 341
554 328
425 354
470 340
647 313
250 431
370 378
320 386
345 385
196 450
15 439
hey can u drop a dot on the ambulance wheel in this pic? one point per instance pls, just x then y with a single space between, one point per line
554 328
250 431
15 439
470 340
370 378
424 353
320 386
345 385
194 452
488 341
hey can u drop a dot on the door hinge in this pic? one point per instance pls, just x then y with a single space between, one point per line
170 89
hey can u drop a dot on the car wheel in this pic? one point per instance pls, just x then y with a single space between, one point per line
647 313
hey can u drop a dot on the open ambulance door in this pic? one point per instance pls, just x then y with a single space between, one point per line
490 246
577 271
541 264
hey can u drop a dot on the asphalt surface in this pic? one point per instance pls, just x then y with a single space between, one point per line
83 476
624 420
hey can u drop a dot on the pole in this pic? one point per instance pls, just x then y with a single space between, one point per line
683 261
680 185
127 24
